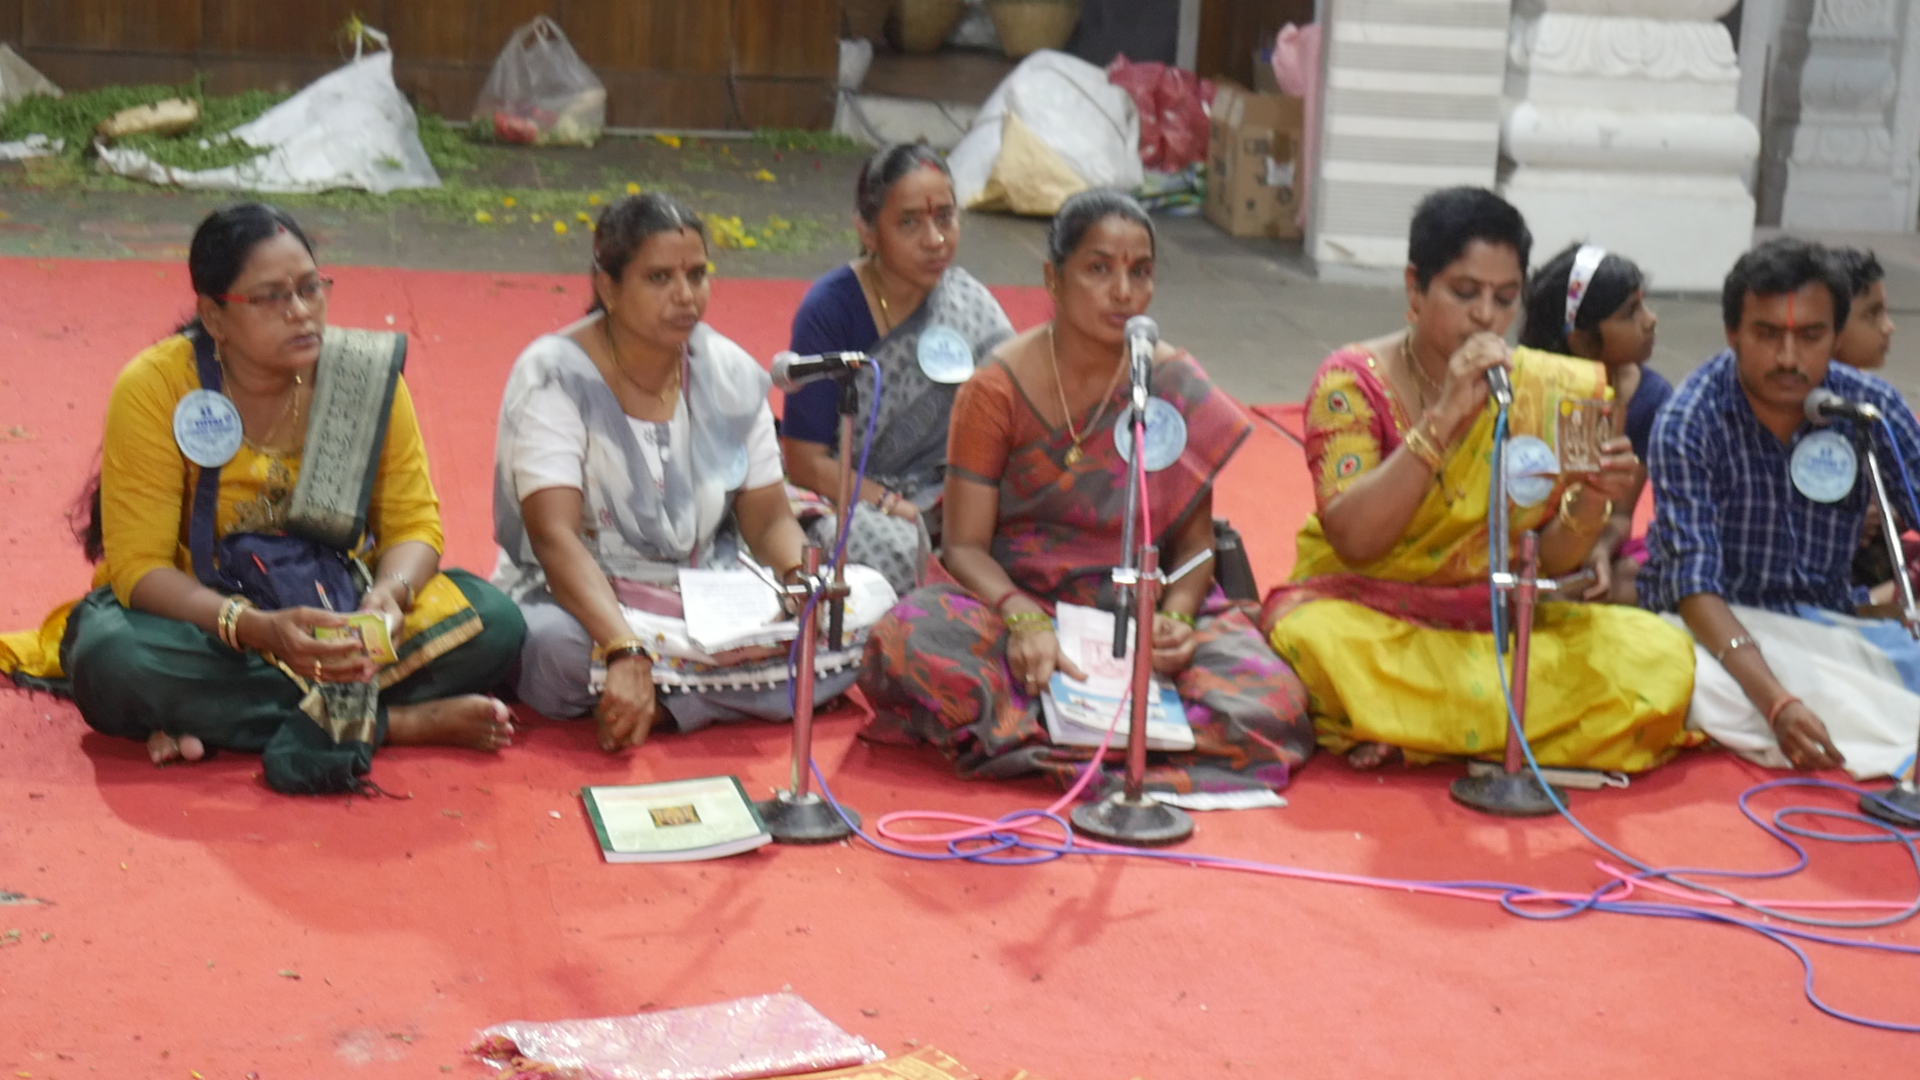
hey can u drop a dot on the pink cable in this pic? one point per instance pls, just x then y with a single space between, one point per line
982 826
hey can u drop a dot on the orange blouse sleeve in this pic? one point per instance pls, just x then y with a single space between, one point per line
980 434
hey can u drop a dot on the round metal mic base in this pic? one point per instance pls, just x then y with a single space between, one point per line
1506 794
1898 805
1143 822
809 819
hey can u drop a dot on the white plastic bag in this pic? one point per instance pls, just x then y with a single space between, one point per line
540 92
18 79
349 128
1091 124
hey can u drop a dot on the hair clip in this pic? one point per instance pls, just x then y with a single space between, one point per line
1586 262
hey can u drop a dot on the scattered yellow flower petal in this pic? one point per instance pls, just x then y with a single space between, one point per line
535 218
508 201
633 188
594 200
483 217
748 241
560 228
195 1073
585 218
763 176
669 140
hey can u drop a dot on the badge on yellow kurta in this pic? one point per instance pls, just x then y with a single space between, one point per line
206 425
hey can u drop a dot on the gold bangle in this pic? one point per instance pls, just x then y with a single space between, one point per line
1571 496
1023 622
632 642
1179 616
1422 446
228 624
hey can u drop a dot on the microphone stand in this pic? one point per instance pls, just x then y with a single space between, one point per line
1515 791
1130 815
1900 804
797 815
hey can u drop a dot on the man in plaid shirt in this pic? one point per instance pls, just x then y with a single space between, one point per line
1759 514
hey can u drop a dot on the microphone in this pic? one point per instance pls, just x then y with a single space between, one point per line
791 371
1824 406
1142 335
1500 385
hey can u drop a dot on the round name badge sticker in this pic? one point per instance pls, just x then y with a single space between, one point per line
1531 470
1824 467
1166 434
207 427
945 356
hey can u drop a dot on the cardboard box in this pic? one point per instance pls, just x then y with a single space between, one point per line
1254 163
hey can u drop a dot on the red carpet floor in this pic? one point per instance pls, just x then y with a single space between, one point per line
196 924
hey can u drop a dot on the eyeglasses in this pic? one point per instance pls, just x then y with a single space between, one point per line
312 292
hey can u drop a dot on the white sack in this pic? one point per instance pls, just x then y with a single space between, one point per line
1091 123
19 79
351 128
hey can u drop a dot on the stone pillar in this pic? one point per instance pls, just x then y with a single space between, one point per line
1842 174
1411 103
1622 127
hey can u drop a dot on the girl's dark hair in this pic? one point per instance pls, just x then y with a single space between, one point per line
886 168
626 226
1614 281
1087 209
1782 265
1446 221
219 251
1862 268
226 238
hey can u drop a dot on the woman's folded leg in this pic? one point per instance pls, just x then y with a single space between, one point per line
134 675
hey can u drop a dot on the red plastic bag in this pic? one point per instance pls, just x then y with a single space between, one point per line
1173 111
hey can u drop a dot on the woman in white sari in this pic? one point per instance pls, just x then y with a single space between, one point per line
634 443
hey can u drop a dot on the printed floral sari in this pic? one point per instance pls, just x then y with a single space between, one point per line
936 668
1400 651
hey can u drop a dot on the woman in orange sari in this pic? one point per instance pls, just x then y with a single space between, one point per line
1388 617
1035 495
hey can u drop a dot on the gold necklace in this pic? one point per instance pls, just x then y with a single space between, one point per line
886 314
265 444
664 395
1074 453
1421 382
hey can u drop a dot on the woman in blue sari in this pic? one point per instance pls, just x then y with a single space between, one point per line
927 324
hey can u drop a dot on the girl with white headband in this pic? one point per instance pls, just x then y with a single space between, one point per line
1590 303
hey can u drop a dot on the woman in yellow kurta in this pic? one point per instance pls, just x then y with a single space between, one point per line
155 653
1387 619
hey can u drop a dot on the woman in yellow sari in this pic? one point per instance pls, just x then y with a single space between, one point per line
1387 619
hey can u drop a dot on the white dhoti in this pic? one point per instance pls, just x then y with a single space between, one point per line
1857 675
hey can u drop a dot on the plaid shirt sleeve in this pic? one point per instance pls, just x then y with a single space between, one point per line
1686 534
1901 477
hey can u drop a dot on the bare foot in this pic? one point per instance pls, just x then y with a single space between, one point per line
164 748
473 721
1369 756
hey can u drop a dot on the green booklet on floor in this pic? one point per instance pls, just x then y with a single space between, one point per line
675 821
